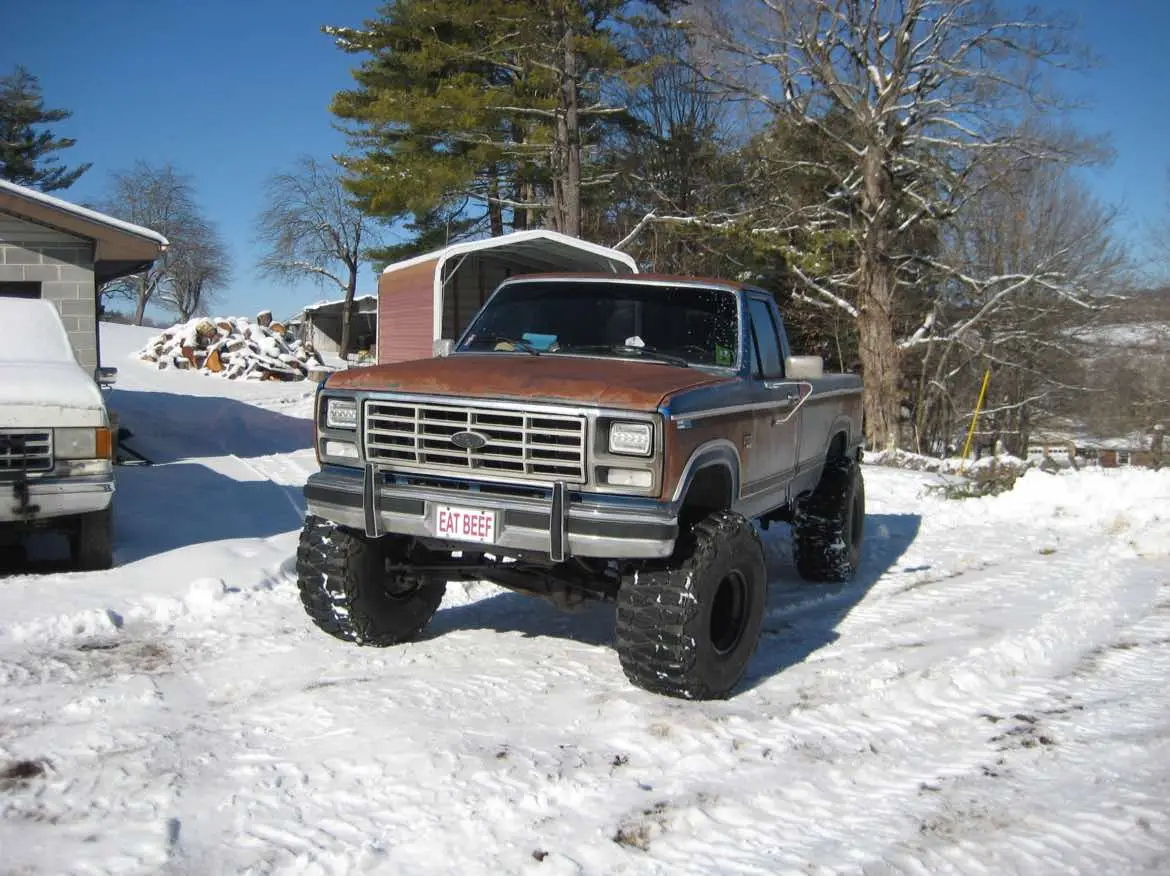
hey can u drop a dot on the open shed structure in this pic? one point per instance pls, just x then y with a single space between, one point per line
320 324
434 296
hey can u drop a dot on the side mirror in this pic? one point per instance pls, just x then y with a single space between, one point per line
442 348
804 367
105 376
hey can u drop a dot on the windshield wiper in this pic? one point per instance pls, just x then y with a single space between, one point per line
517 343
626 349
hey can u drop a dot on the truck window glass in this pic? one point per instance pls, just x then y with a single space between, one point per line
764 329
698 324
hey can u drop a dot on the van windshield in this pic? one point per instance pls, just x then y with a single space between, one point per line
673 324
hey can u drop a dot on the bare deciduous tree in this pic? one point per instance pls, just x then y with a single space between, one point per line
926 97
158 197
199 267
1159 238
1051 268
313 229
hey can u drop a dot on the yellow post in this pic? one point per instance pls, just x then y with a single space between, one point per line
975 416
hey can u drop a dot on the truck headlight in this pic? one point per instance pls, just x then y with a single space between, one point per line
340 449
341 413
82 443
630 439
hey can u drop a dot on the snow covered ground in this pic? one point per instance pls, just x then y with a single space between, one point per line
989 697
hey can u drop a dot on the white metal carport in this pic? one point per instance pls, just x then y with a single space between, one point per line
430 297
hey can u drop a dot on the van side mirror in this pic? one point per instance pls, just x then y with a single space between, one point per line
105 376
804 367
442 348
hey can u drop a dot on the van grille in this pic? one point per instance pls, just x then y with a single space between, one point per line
25 451
517 445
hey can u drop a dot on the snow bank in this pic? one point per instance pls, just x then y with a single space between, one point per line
1130 504
950 465
234 348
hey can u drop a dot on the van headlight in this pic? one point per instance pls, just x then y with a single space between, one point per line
82 443
631 439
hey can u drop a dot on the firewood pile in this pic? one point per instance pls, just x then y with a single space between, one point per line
235 348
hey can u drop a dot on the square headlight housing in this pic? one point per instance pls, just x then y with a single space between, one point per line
341 413
631 439
84 443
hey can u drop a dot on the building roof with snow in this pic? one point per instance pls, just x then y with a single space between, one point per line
120 247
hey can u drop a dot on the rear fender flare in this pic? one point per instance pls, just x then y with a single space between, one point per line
852 443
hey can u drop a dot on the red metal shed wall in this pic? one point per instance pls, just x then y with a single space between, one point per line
406 313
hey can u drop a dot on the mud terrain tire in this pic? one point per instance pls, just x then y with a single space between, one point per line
688 628
348 593
828 525
91 540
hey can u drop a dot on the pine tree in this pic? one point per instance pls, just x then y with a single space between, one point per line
25 152
487 108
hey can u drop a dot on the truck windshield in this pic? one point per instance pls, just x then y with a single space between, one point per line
675 325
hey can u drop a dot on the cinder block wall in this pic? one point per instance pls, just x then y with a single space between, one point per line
63 265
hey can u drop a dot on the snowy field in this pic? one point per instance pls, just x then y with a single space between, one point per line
989 697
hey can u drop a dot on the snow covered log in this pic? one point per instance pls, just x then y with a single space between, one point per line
234 348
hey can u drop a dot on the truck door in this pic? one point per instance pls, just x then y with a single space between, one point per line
776 422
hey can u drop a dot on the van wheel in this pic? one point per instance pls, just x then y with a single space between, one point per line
829 524
347 591
91 540
688 629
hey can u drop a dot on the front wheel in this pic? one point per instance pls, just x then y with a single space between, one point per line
91 540
689 628
348 592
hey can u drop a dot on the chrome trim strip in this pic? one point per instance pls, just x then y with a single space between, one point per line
556 551
763 485
511 405
835 393
781 403
371 502
733 409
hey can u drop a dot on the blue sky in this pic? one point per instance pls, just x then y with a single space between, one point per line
230 92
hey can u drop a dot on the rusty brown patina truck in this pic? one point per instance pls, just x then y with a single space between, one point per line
589 437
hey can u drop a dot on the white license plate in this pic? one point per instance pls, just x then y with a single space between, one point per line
465 524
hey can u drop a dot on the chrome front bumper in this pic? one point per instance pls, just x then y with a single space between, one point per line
561 525
55 497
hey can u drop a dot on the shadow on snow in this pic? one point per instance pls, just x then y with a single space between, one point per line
161 508
164 507
179 501
167 427
800 619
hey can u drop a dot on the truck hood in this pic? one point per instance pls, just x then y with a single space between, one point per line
615 383
46 394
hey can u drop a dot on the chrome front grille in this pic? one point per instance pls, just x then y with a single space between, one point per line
517 444
25 451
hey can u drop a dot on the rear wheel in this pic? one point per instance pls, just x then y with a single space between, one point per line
829 524
688 629
348 592
91 540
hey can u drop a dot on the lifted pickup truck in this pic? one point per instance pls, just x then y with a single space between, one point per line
56 461
589 437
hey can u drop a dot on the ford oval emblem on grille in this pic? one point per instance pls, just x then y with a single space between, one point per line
469 440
